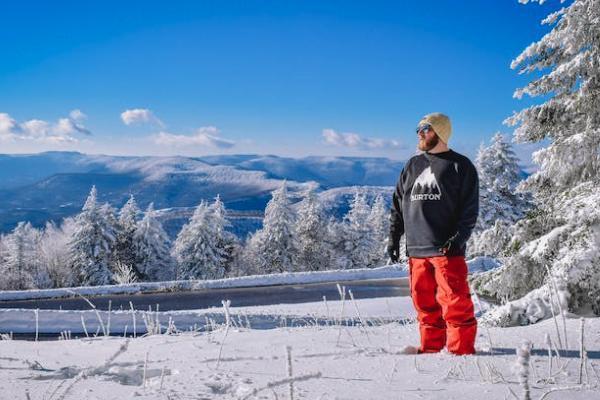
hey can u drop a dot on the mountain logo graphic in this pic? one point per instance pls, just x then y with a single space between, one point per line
426 187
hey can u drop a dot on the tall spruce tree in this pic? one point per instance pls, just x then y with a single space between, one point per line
379 223
358 236
226 241
499 176
196 249
271 248
562 235
152 248
313 251
125 246
93 242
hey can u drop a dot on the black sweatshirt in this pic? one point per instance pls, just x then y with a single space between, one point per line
436 199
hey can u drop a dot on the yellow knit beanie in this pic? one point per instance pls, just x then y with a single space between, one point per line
440 123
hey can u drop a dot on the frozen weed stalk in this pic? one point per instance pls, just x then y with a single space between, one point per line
104 332
342 292
226 304
523 355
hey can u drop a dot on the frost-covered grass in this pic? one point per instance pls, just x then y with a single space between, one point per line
315 361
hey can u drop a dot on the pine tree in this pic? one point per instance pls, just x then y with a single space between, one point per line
336 240
93 242
152 248
562 234
498 170
379 224
271 248
359 240
125 246
196 250
312 249
226 241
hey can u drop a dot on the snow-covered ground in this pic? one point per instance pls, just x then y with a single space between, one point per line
328 360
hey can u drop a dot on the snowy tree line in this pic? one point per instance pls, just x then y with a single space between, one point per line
102 245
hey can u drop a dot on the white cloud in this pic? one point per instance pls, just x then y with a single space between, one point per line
207 136
38 130
354 140
77 115
140 116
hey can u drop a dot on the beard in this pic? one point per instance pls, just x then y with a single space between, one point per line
428 144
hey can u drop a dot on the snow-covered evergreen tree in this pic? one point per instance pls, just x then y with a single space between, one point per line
93 242
358 236
125 246
271 249
225 241
379 224
498 170
196 250
336 241
153 249
55 252
313 251
562 234
21 268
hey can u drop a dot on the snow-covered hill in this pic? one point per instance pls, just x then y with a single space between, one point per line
52 185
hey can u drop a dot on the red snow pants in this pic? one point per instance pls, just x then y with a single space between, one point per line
441 296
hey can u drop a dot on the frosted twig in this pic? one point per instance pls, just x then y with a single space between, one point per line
513 393
93 308
562 313
554 317
133 317
327 309
84 327
162 377
290 371
559 390
391 377
226 304
270 385
549 345
108 317
159 330
581 350
37 327
93 371
360 318
523 354
342 292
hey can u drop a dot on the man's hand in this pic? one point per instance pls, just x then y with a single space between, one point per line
445 249
393 250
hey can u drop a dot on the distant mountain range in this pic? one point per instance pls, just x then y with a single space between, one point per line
53 185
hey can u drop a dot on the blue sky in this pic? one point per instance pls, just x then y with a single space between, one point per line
269 77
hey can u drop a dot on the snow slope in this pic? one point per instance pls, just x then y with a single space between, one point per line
326 361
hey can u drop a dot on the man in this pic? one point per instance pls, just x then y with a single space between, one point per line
435 204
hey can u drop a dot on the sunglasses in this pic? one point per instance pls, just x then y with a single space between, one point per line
425 128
